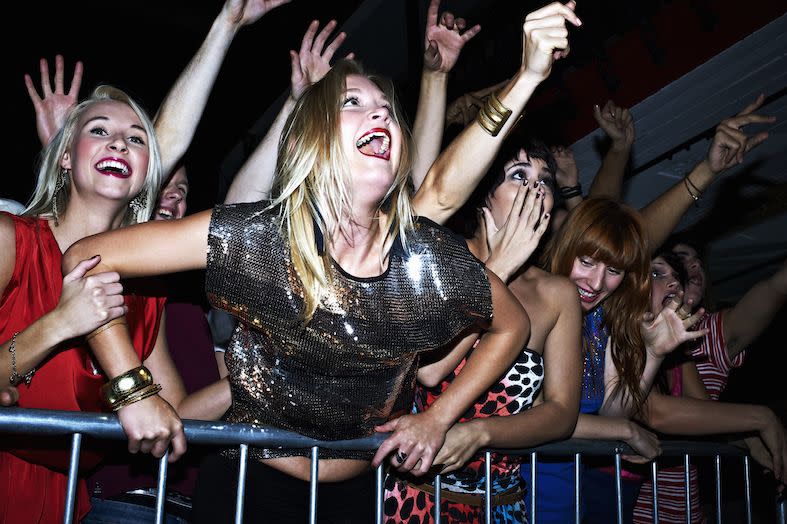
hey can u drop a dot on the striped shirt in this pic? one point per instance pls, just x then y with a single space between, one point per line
714 366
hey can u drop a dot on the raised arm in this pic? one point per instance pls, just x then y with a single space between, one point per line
182 109
618 124
443 42
457 171
745 321
567 177
52 110
254 180
553 418
728 148
419 437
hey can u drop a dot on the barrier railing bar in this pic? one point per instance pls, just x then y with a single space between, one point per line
438 495
718 488
618 489
313 485
577 488
781 510
242 463
687 486
533 460
103 425
71 488
161 484
747 484
654 480
380 493
488 488
106 425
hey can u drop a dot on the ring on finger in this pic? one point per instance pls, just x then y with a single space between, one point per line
400 457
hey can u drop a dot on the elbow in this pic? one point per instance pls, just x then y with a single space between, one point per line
73 256
429 378
566 422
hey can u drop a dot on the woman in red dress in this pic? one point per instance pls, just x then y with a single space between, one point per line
101 171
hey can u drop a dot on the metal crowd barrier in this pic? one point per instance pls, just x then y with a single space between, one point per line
106 426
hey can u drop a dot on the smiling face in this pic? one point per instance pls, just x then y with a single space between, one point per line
172 199
109 154
595 280
371 138
520 170
666 284
695 285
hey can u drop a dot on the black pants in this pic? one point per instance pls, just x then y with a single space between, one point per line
275 497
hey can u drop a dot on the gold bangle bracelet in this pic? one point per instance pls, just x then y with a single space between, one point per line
100 329
142 394
126 384
498 106
487 125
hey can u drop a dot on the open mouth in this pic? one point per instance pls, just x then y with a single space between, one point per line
164 213
586 296
114 167
376 142
667 298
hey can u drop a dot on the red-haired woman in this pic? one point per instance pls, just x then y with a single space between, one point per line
603 250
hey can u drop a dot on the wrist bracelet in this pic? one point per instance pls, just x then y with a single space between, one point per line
493 115
568 192
104 327
688 188
142 394
15 378
126 385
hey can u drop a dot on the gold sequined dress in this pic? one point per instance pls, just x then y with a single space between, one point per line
353 366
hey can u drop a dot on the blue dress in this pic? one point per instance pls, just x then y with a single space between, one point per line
555 476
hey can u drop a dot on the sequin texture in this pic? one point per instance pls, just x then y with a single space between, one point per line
594 342
353 366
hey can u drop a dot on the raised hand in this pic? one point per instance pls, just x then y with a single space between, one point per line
617 123
512 244
87 303
53 108
415 442
546 37
664 332
313 60
444 40
567 174
730 144
245 12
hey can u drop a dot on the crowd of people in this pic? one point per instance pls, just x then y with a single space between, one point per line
458 299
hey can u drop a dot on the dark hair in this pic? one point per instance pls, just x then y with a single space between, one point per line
466 219
676 264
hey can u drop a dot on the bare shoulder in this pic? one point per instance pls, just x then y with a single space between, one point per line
550 289
7 250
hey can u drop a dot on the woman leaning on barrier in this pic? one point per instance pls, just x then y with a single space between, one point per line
337 288
100 171
602 249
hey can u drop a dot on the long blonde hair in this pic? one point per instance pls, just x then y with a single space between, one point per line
49 170
313 174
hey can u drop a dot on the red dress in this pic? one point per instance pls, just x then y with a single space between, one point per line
33 475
